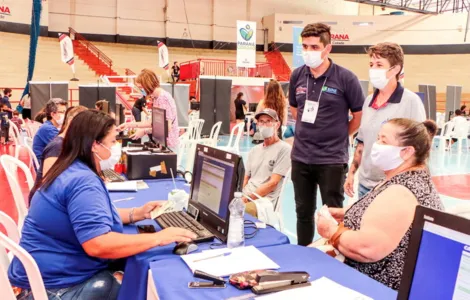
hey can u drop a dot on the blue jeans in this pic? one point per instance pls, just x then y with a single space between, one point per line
362 191
103 285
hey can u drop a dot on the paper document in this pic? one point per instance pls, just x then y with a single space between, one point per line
239 260
125 186
322 288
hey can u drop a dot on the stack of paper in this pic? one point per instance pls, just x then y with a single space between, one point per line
238 260
322 288
125 186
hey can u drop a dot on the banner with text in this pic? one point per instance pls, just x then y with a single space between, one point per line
297 59
246 44
19 11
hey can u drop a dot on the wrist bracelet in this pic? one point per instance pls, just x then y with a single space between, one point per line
131 216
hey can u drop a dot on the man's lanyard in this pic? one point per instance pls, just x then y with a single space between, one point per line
321 91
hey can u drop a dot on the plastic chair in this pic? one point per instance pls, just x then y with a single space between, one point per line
280 200
12 233
33 160
213 137
14 135
460 133
235 146
444 136
10 166
188 141
32 271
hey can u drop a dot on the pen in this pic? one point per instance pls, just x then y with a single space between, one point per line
210 257
123 199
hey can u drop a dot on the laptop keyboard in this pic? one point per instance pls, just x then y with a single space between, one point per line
113 176
182 219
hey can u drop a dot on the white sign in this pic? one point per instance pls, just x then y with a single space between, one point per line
19 11
246 44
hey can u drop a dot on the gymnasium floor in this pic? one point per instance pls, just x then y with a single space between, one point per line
451 174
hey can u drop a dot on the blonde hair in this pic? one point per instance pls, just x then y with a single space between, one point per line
148 80
70 114
275 99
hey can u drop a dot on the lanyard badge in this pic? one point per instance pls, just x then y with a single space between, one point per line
310 112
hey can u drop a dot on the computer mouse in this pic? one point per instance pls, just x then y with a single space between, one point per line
184 248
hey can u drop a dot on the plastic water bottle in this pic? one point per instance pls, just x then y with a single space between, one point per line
179 199
236 230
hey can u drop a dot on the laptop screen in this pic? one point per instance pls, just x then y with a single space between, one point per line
443 264
213 183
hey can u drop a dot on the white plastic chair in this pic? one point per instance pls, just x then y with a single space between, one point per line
280 200
188 141
12 233
32 271
444 136
15 136
460 133
10 166
235 146
213 137
28 144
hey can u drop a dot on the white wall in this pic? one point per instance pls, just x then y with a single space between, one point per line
404 30
206 19
19 11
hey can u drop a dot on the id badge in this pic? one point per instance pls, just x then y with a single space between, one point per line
309 114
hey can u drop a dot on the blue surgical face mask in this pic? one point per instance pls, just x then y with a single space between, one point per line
144 93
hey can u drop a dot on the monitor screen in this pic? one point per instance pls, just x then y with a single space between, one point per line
212 184
253 107
195 105
159 126
442 268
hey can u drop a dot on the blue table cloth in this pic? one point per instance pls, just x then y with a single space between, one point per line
173 285
134 285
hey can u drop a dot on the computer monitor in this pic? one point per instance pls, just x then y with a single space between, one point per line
195 105
437 263
159 126
217 175
253 107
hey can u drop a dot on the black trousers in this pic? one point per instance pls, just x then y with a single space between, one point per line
306 178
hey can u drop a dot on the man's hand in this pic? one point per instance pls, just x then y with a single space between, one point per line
349 185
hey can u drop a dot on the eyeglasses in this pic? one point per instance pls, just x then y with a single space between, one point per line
267 123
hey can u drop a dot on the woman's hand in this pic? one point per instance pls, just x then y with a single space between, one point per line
143 212
172 234
138 134
326 227
126 126
337 213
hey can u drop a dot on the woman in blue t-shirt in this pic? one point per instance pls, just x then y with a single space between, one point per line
73 230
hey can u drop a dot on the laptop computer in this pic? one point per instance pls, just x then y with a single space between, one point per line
437 264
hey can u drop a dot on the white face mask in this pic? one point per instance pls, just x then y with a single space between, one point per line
60 122
386 157
107 164
266 132
378 78
312 58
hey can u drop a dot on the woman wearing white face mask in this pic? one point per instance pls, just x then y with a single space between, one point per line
73 230
375 231
390 100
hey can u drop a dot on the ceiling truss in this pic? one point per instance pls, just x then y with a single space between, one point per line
422 6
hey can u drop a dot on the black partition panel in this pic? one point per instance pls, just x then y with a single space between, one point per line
453 99
429 100
41 92
89 94
215 99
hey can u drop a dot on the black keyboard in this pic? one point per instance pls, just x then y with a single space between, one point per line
183 220
113 176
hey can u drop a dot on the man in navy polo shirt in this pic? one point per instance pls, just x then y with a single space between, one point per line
321 95
55 113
